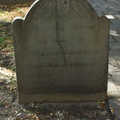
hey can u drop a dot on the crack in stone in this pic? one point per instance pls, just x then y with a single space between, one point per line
57 33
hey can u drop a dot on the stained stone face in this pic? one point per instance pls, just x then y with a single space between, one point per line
61 50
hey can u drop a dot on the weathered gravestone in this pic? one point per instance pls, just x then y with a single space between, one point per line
61 50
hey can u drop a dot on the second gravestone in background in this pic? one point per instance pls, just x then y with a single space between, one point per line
61 50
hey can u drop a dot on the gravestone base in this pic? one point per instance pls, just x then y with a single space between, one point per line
28 98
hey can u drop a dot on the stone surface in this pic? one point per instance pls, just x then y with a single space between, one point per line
113 68
116 76
112 86
114 54
61 49
115 46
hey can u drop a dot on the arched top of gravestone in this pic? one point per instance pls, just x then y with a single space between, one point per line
44 9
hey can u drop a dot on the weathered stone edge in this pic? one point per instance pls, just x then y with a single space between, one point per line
28 98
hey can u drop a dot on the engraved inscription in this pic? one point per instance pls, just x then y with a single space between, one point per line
66 65
62 65
37 53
